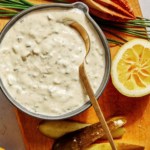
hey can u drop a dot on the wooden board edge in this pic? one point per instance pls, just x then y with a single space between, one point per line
21 128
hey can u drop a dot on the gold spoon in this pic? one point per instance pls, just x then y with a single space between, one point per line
86 82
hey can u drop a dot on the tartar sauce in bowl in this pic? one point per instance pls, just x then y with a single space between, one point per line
40 59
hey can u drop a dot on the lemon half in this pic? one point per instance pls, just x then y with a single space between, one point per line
130 70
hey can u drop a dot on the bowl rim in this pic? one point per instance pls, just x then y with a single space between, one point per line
106 75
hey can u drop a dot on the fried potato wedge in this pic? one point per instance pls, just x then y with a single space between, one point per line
81 139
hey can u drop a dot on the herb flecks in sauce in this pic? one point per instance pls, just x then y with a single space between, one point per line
40 58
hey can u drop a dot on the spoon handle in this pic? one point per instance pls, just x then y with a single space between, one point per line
95 104
85 80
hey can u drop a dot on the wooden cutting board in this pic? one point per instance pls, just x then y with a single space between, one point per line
137 111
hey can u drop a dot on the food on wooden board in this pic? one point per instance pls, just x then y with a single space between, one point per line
118 133
56 129
39 68
131 68
121 8
114 10
84 137
120 146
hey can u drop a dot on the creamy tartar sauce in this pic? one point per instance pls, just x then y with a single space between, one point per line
40 58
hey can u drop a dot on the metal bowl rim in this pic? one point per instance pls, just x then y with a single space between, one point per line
85 9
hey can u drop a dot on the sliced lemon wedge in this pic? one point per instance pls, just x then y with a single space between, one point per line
130 70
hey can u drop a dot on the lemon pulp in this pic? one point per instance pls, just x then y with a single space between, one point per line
131 68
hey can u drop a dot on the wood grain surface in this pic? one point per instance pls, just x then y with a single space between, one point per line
137 111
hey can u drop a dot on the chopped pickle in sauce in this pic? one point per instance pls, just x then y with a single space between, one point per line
40 58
